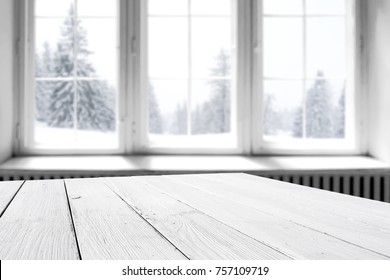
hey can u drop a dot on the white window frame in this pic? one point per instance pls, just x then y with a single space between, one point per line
187 144
132 100
351 144
25 126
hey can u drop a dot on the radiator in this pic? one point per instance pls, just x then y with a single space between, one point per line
374 186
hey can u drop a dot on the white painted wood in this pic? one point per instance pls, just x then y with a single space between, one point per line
353 164
197 235
107 228
7 192
362 205
7 84
37 224
287 236
377 68
352 219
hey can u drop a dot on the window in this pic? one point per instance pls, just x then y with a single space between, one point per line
191 73
182 76
75 74
306 75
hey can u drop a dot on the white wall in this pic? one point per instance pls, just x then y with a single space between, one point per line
6 78
378 39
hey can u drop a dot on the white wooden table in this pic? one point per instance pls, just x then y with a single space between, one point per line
214 216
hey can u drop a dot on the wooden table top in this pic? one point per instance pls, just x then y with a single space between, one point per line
213 216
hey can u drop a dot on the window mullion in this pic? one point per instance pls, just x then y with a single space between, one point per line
131 79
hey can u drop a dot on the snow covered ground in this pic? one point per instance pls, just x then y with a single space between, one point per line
65 138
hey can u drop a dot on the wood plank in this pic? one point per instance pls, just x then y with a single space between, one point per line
7 192
288 237
107 228
197 235
361 205
37 224
352 219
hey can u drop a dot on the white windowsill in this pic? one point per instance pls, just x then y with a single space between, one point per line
123 164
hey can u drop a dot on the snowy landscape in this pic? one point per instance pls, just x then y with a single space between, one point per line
76 98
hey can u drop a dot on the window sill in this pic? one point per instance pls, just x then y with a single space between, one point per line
129 165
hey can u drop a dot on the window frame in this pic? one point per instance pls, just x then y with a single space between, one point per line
189 145
132 100
25 125
352 144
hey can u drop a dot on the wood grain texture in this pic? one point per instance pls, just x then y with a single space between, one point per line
7 192
37 224
352 219
197 235
107 228
288 237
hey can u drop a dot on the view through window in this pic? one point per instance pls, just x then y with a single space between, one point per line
181 91
304 69
190 67
76 64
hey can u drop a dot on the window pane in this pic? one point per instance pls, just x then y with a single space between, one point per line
282 7
211 106
190 69
211 47
168 7
52 8
325 108
211 7
97 48
168 47
168 107
283 109
326 47
97 8
283 47
54 115
325 7
48 52
85 116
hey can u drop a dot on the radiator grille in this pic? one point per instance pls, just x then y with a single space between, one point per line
374 186
371 186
